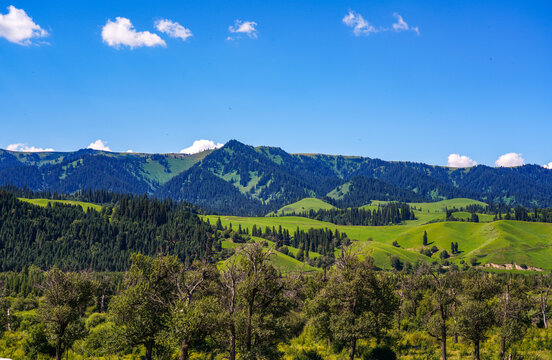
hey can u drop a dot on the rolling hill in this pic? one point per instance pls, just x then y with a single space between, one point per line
303 205
498 242
488 242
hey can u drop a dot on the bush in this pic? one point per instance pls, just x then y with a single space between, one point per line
308 355
37 343
379 353
94 320
426 252
396 263
284 250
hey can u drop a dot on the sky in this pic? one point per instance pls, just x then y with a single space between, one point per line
439 82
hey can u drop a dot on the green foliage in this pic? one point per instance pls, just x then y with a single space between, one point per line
38 343
308 355
249 310
380 353
140 309
477 312
66 236
355 304
66 296
385 214
396 263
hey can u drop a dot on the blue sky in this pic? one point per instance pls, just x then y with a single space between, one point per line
475 81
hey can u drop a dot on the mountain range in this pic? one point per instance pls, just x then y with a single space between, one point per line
244 180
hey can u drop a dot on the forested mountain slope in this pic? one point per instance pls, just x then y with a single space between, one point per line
89 169
244 180
71 238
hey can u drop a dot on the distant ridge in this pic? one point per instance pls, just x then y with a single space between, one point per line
245 180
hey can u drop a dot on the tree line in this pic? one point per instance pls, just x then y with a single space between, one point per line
384 214
74 239
162 307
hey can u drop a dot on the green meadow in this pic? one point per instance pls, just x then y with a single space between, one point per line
44 202
283 262
303 205
498 242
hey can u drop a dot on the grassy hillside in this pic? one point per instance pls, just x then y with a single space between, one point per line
303 205
282 262
44 202
500 242
160 169
435 211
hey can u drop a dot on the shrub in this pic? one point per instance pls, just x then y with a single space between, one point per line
94 320
379 353
308 355
284 250
396 263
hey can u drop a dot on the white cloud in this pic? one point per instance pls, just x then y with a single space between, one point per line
129 151
510 160
122 32
201 145
173 29
99 145
18 27
460 161
248 28
24 148
362 27
548 166
359 25
401 25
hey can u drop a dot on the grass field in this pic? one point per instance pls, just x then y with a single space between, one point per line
281 261
303 205
500 242
44 202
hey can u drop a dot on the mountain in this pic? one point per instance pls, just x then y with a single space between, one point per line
245 180
89 169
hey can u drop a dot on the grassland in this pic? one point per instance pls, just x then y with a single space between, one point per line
303 205
499 242
281 261
44 202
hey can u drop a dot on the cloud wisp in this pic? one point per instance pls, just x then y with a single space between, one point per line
510 160
248 28
22 147
121 32
401 25
19 28
99 145
460 161
200 146
173 29
548 166
361 26
358 24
